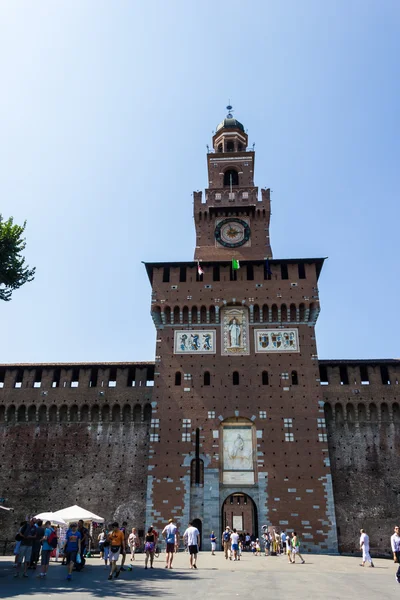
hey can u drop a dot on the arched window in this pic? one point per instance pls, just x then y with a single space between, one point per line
194 314
274 313
178 378
63 413
32 413
362 413
219 148
338 413
137 413
126 414
207 378
42 414
203 314
147 413
21 413
11 413
256 313
231 177
95 413
284 312
350 413
328 413
53 414
176 314
85 413
167 313
212 314
385 416
265 313
264 378
156 315
295 379
293 313
105 413
230 146
2 414
373 413
185 315
235 378
302 311
116 413
73 413
396 412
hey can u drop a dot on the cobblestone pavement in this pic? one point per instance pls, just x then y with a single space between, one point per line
322 577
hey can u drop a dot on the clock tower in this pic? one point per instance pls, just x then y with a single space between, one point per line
232 222
238 434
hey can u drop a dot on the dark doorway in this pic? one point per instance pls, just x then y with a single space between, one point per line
197 523
240 512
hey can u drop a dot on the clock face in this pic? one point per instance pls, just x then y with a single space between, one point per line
232 232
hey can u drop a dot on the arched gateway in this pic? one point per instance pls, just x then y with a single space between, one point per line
239 512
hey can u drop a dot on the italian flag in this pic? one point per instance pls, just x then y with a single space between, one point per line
235 264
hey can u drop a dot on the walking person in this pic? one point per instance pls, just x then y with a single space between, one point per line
133 541
72 548
364 547
47 547
170 532
395 544
101 539
117 543
235 544
192 538
288 549
213 541
149 547
296 548
125 532
85 538
37 544
226 543
27 534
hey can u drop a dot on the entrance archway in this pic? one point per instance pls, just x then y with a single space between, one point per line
239 512
197 523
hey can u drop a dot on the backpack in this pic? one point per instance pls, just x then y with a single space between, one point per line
226 537
52 540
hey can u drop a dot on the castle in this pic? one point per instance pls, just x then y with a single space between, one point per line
237 421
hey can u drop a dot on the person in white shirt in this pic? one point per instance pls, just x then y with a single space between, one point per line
235 544
364 547
170 532
395 544
192 539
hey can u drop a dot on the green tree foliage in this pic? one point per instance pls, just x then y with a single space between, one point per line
13 271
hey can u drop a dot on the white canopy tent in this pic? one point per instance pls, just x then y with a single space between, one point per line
52 517
75 512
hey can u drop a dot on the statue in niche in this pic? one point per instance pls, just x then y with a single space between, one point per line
235 333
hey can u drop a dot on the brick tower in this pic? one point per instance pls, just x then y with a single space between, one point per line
238 432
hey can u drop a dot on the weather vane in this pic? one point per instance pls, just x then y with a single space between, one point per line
229 109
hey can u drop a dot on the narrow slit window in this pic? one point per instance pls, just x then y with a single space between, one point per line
235 378
344 377
178 378
250 273
302 271
166 273
284 271
182 274
265 379
216 274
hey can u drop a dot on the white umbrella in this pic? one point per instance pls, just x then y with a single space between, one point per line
74 513
52 517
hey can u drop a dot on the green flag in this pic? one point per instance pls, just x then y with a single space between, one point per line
235 264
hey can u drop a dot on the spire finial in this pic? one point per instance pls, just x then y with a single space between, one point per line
230 110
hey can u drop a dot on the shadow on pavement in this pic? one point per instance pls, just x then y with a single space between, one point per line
92 581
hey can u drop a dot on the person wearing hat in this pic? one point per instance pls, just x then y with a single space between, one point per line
170 533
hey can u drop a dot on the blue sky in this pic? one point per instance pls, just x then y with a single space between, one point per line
105 112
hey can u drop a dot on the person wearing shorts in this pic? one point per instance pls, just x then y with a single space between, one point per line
46 549
213 541
235 544
296 548
149 547
133 541
117 543
28 534
72 547
170 532
192 539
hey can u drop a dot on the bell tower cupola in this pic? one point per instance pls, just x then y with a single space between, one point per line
232 221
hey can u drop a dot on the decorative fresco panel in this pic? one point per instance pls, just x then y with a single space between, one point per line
276 340
238 448
194 342
235 331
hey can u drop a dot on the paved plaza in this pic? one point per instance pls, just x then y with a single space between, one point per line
322 577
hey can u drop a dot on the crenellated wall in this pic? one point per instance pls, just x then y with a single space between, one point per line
362 411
